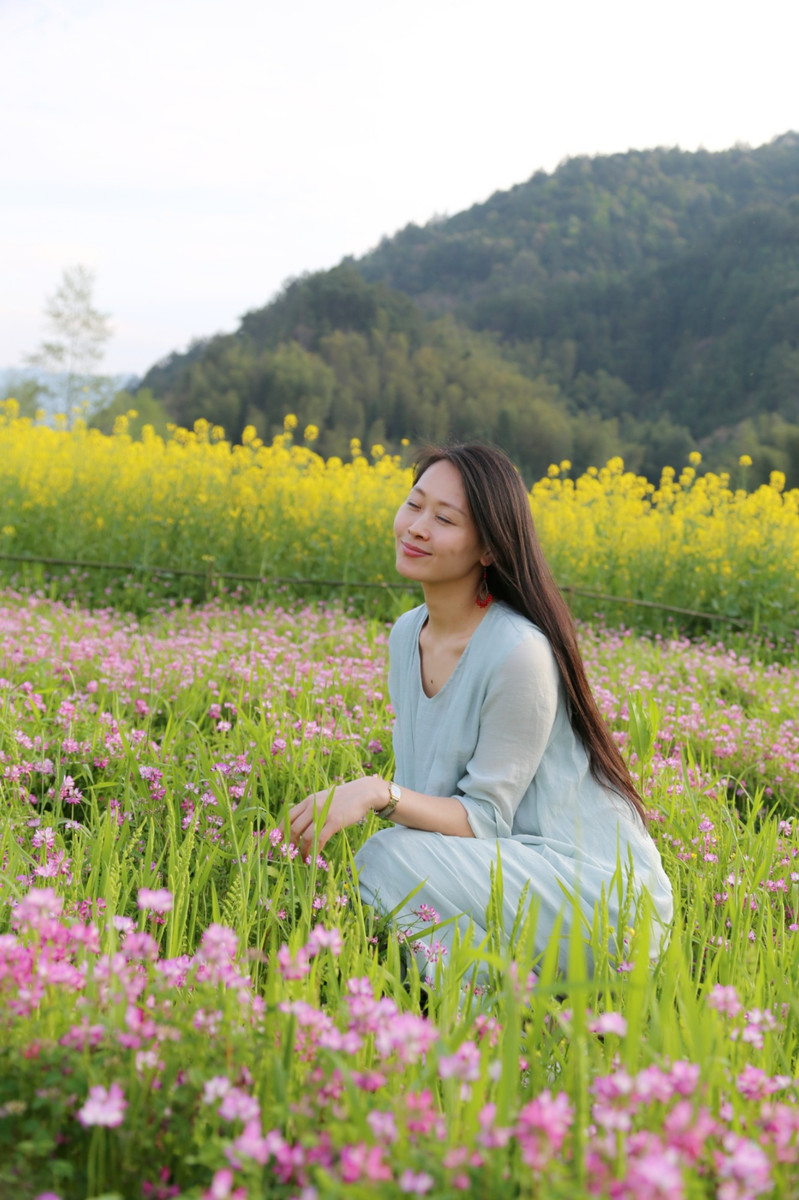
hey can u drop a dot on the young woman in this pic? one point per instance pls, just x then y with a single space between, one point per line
500 749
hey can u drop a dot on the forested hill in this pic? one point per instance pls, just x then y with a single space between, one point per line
644 303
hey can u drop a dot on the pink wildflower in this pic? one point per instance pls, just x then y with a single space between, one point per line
251 1143
291 967
743 1169
655 1175
419 1184
39 904
542 1126
222 1187
105 1106
219 945
609 1022
383 1125
239 1105
724 1000
464 1064
363 1162
215 1088
158 900
325 939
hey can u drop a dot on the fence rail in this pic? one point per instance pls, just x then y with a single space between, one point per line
210 575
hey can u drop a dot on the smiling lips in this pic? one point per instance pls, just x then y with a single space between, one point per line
413 551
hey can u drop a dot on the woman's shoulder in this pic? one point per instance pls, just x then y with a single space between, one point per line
509 627
516 647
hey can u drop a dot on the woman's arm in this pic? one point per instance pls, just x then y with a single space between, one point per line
516 720
353 801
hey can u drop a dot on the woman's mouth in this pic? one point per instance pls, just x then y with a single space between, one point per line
413 551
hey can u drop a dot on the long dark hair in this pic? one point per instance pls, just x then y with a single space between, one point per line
520 576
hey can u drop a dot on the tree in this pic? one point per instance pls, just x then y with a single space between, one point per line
78 334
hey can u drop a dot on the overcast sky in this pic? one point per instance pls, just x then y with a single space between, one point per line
197 154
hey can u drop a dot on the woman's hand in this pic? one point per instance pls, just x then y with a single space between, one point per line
351 802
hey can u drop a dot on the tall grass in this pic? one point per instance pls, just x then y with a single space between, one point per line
251 1026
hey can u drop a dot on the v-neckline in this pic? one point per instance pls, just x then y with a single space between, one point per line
455 669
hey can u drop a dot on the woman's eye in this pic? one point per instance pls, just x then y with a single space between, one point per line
444 520
412 504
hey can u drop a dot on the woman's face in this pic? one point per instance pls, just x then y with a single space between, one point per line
436 538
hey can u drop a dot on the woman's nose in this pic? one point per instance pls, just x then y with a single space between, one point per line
418 527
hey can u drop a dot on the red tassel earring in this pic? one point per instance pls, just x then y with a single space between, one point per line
484 597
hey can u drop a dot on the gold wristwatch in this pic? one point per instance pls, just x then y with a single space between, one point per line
395 795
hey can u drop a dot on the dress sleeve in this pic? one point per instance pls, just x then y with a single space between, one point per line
516 719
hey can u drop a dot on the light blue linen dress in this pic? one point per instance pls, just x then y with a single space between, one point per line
498 737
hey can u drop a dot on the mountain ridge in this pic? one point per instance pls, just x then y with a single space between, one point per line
651 298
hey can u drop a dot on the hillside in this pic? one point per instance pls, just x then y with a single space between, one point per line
644 303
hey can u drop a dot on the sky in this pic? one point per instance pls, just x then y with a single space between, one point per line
196 155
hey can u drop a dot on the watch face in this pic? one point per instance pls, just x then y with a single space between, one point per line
394 792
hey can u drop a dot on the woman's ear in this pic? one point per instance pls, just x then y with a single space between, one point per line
487 559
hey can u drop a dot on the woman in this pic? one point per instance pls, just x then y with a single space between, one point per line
500 749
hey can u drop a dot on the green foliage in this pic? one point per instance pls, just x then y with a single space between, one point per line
643 304
184 739
140 409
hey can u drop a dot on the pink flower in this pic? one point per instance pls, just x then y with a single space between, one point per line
219 945
239 1105
105 1106
222 1187
655 1175
39 904
158 900
419 1184
363 1162
251 1143
744 1169
290 967
383 1125
215 1088
140 945
753 1083
464 1064
542 1126
724 1000
609 1022
427 914
321 938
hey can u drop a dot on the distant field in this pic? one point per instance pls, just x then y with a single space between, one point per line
195 502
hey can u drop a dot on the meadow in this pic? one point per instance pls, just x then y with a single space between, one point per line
189 1009
194 502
